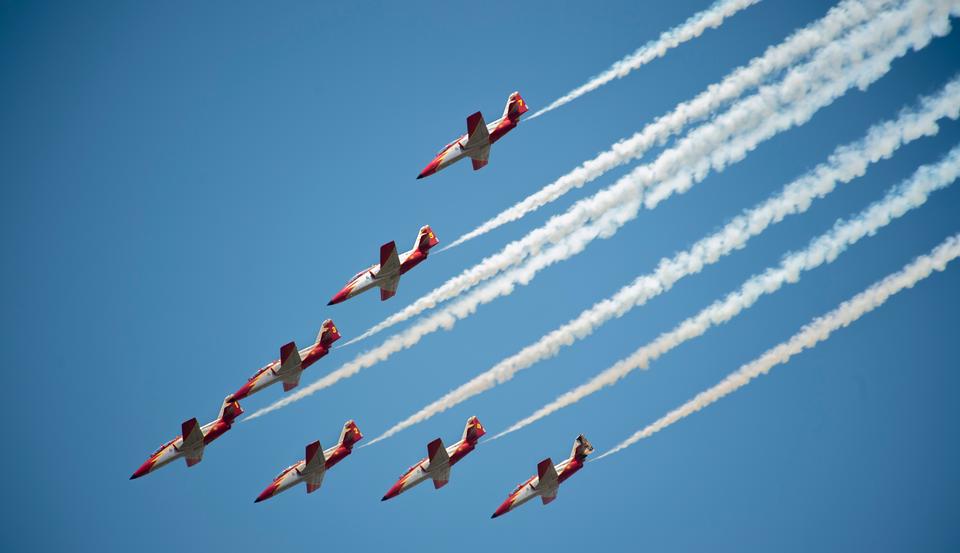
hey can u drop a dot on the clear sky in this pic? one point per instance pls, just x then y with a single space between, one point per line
186 184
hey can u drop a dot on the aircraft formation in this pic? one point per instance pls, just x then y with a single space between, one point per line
385 276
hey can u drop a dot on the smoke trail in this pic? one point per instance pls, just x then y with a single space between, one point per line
800 43
841 17
854 62
845 164
690 29
824 249
808 337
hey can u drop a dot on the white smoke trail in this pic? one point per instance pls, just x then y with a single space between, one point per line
690 29
802 42
858 60
841 17
808 337
824 249
845 164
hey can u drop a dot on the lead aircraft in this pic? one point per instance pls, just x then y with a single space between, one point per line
436 465
548 479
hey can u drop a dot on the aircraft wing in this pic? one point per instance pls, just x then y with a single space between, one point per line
315 467
192 445
439 463
477 134
388 287
480 157
290 361
389 259
291 380
548 483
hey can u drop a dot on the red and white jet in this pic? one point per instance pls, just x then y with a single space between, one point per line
386 274
548 479
312 468
193 438
476 143
291 364
439 459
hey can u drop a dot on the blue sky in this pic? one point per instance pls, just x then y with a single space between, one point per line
185 185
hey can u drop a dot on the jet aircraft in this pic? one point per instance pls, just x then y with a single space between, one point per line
476 143
291 364
548 479
192 440
312 468
386 274
436 465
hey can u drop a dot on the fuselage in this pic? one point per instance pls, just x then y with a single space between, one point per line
171 451
421 471
529 489
370 277
294 474
270 374
461 148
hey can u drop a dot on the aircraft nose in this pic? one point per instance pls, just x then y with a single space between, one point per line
144 469
501 509
430 169
265 494
341 296
393 492
243 392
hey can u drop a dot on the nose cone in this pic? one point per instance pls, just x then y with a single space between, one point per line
341 296
430 169
393 492
144 469
243 392
266 494
503 508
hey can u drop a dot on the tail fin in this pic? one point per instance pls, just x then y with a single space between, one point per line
328 333
473 430
516 107
581 448
350 434
229 410
425 239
